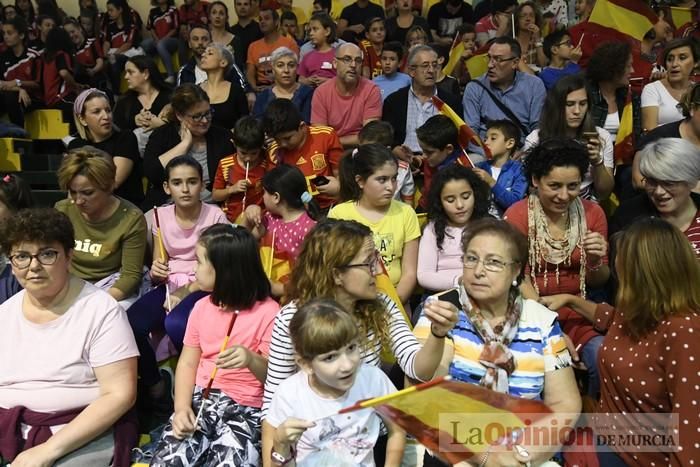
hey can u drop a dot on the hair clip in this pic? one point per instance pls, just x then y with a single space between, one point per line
306 197
6 178
354 152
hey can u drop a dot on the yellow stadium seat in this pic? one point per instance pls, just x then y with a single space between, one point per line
10 155
176 63
46 124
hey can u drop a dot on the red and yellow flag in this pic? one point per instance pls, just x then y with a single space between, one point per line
624 142
466 134
444 415
277 264
631 17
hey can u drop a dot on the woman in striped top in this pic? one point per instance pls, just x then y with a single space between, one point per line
502 341
340 261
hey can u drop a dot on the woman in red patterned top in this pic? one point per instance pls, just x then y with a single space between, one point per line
650 358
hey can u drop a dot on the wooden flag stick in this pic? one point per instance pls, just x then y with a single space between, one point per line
163 255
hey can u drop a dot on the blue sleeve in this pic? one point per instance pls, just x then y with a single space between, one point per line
518 186
8 284
472 113
538 95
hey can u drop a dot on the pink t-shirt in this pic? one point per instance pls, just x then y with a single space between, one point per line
206 330
289 235
49 367
346 114
317 63
180 243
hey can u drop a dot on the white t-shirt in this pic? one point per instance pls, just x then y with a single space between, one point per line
339 440
612 124
655 94
49 367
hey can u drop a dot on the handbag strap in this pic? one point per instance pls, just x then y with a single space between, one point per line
509 113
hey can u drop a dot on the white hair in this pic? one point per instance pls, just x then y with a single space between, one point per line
671 159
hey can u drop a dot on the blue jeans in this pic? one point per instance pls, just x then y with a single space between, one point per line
165 48
147 315
589 356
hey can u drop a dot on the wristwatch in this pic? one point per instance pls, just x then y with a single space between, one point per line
18 82
279 460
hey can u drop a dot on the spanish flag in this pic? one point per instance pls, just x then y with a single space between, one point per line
445 415
466 134
624 142
631 17
677 16
277 264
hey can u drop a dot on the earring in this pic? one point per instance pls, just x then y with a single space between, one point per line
515 282
72 201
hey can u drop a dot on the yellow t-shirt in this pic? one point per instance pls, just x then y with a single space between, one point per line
398 227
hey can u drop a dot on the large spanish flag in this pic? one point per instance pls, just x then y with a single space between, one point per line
624 142
277 264
631 17
456 420
466 134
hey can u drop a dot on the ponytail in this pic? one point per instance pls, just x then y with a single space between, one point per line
362 162
289 182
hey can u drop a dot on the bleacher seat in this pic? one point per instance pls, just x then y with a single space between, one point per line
11 151
46 124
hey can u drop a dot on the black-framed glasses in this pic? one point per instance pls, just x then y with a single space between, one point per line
652 184
499 60
372 264
348 60
202 116
490 264
23 259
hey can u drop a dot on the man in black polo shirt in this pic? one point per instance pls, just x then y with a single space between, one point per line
246 29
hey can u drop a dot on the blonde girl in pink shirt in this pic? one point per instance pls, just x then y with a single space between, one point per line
228 430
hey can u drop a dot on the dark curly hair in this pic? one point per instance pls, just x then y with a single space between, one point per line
40 225
436 212
555 152
608 62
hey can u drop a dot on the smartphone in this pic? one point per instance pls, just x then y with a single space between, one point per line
320 180
590 135
451 296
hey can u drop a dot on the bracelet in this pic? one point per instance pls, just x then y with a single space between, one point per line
485 459
595 267
538 44
279 460
435 335
598 162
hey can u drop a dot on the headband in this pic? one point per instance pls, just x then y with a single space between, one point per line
83 96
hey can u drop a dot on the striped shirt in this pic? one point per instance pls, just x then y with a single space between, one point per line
538 348
280 363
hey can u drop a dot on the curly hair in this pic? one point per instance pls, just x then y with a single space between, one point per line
608 62
555 152
330 245
436 212
40 225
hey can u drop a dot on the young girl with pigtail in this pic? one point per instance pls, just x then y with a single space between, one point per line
290 213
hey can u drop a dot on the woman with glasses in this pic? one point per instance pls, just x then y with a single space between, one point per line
566 113
670 169
284 73
339 260
110 232
528 26
567 240
227 101
189 133
660 98
503 341
68 355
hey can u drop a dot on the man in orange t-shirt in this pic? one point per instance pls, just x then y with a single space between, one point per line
313 149
258 66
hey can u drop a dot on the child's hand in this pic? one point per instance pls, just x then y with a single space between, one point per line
174 301
234 357
485 176
332 188
467 54
403 152
183 422
241 186
159 271
289 432
253 215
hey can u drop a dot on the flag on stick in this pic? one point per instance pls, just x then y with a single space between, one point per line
624 141
163 255
631 17
466 134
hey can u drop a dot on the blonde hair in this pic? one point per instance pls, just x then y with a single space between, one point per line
321 326
659 275
83 130
94 164
331 245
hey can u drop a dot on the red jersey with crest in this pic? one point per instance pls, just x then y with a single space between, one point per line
372 58
228 172
197 14
319 155
162 22
88 53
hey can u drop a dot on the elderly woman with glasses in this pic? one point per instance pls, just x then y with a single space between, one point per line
341 262
284 72
502 341
670 169
189 133
68 371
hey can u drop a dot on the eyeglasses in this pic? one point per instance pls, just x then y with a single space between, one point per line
22 259
566 43
372 264
427 66
652 184
499 60
348 60
491 265
202 116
